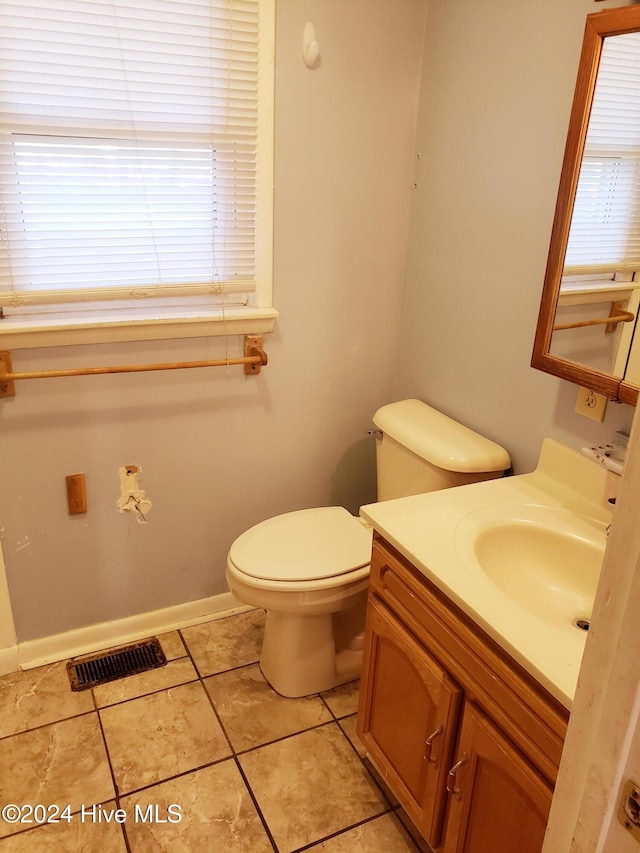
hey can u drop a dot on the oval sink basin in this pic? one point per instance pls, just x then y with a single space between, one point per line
548 561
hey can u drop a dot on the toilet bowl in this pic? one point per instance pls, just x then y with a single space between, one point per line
310 569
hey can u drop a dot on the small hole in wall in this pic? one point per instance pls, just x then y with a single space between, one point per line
131 469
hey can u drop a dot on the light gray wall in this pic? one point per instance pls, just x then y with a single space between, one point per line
497 86
220 451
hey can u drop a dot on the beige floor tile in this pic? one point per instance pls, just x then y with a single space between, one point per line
383 835
226 643
37 697
158 736
172 645
348 726
253 714
310 785
63 763
70 837
176 672
217 814
343 700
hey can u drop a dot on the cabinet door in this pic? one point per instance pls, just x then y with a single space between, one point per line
497 800
408 718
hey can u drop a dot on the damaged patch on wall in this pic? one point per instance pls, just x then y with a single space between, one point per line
132 497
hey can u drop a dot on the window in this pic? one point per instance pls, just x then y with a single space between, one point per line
136 171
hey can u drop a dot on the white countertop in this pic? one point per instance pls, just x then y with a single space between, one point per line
425 529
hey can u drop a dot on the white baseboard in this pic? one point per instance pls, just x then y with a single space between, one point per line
103 635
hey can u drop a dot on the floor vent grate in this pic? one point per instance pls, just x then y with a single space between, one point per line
99 668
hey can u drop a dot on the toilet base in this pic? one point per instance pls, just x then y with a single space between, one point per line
299 654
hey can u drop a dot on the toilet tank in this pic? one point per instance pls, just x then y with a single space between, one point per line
421 450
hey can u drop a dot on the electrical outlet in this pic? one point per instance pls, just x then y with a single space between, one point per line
590 404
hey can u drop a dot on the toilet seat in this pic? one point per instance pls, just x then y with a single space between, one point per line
303 546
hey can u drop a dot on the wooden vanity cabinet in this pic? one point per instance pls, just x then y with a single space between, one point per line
411 719
497 799
467 741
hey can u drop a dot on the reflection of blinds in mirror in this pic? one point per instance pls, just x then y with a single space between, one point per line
605 227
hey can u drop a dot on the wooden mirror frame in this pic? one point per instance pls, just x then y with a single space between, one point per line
609 22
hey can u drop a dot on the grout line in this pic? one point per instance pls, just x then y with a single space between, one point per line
263 819
46 725
188 653
234 754
227 671
351 743
150 693
155 784
113 777
285 737
217 716
319 841
277 739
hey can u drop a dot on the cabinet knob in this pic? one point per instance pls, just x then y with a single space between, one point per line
428 745
451 778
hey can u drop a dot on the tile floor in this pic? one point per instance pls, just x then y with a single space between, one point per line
199 755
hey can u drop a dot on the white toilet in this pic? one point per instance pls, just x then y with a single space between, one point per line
310 569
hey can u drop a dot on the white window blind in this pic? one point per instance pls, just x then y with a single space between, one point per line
131 147
605 228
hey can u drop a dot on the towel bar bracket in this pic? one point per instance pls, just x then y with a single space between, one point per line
617 310
252 348
7 386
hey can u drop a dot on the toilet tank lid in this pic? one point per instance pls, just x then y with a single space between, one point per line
439 439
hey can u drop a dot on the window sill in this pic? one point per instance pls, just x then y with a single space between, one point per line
126 324
581 293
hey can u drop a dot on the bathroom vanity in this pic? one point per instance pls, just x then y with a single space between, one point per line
467 684
468 742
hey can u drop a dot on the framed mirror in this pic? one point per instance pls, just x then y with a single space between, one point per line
586 329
